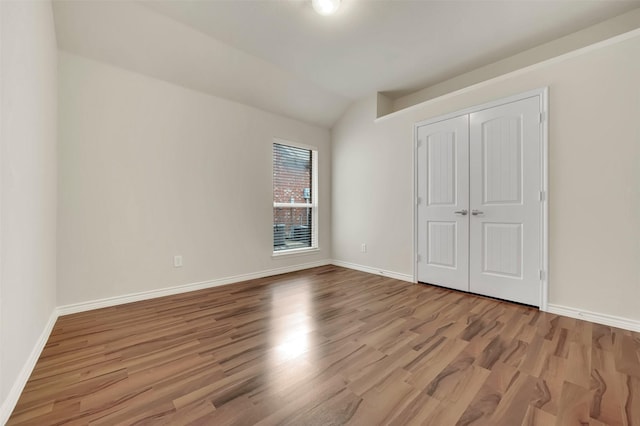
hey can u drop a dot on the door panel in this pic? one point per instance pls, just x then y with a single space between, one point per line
502 161
443 190
441 237
504 243
441 158
502 249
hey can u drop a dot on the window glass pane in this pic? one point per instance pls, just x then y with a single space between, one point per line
292 228
291 174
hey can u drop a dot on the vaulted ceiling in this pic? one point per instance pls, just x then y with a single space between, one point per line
282 57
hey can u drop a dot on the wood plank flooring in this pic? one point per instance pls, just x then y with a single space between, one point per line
332 346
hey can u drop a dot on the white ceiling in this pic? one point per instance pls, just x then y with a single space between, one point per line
282 57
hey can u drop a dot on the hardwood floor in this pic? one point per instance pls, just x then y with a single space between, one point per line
332 346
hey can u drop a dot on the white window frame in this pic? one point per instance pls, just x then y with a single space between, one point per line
314 201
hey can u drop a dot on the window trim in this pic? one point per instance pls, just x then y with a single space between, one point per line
296 252
314 200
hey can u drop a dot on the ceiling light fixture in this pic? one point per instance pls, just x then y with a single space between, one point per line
325 7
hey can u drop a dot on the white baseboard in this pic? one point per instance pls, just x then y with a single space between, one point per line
152 294
16 390
610 320
376 271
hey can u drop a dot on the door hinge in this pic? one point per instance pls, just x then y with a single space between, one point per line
419 200
543 275
418 142
542 117
418 258
543 195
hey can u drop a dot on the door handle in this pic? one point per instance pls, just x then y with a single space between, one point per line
476 212
462 212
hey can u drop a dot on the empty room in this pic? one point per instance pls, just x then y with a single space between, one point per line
320 212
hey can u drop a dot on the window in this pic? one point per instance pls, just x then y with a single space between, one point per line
295 199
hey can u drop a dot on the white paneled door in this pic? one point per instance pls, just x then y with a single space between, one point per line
504 241
443 203
487 163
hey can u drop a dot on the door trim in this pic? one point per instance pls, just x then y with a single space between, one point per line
543 94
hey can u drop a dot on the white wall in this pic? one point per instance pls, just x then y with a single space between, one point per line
28 183
594 178
149 170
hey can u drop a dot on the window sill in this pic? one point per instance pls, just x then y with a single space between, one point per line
295 252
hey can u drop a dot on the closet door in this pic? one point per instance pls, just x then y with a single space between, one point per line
505 242
443 203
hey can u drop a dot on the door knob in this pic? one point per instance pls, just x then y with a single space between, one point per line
462 212
476 212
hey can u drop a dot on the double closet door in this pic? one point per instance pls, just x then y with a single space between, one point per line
479 202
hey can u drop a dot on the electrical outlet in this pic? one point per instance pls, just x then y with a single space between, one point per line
363 248
177 261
